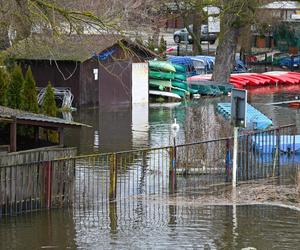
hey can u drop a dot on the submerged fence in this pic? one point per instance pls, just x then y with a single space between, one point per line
93 180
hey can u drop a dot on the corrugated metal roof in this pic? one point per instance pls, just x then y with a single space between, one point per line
283 5
6 112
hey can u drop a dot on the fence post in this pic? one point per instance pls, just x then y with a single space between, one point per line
113 177
172 169
235 155
228 160
277 150
48 184
247 157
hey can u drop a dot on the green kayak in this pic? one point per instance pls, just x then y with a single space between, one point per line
181 92
159 84
225 88
161 75
180 84
162 66
179 68
192 91
202 89
180 76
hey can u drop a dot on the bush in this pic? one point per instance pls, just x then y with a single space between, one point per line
15 88
4 82
29 93
49 104
162 45
49 108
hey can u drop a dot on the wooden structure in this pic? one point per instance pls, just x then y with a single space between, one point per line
96 68
16 117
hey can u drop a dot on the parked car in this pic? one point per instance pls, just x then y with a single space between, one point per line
181 35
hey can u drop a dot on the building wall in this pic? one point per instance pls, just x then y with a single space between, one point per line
140 83
89 83
115 83
59 73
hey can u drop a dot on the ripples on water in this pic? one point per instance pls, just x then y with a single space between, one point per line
142 224
126 128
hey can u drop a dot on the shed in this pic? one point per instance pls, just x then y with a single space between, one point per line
16 117
97 69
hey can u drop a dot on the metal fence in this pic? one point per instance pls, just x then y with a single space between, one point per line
93 180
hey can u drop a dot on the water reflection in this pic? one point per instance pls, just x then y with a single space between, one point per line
124 128
143 224
140 126
38 230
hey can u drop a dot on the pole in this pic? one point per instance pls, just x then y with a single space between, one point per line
235 151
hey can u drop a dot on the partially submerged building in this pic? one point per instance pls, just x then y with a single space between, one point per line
104 70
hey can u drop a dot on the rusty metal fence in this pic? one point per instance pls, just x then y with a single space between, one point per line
93 180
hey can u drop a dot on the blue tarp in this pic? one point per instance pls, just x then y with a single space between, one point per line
255 119
208 61
267 144
105 54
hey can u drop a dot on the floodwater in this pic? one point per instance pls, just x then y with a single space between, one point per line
125 128
142 223
146 225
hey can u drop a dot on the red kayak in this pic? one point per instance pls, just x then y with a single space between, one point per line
274 89
294 105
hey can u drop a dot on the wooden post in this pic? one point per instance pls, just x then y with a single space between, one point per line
48 184
113 177
13 135
36 134
61 136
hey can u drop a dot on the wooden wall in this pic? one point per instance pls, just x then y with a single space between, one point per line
59 73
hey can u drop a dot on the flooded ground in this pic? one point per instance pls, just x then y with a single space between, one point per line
143 224
177 221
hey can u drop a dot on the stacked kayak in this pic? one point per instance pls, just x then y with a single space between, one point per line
167 77
160 75
256 80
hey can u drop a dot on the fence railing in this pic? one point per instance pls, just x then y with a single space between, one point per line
92 180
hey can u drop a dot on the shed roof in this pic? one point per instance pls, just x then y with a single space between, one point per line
68 48
28 118
282 5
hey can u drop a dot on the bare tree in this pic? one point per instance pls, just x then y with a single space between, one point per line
21 17
236 16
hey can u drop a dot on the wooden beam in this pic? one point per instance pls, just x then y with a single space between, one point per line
13 136
6 120
45 124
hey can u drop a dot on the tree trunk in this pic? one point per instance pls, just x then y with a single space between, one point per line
225 56
228 40
196 34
